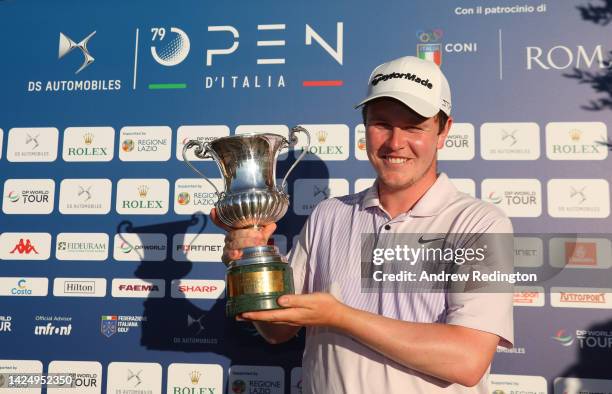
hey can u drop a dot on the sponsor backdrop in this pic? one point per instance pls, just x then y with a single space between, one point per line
110 265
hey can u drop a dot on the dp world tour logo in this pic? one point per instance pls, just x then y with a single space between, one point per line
66 45
108 326
563 339
126 248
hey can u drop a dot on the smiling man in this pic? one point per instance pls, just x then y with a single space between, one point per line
389 342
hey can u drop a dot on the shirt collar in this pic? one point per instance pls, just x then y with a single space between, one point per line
436 198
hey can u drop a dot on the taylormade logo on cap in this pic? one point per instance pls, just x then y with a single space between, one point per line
411 77
419 84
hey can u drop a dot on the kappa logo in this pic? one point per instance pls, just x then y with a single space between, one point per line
24 247
66 45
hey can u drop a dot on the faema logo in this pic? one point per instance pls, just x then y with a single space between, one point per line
25 246
516 197
28 287
197 247
581 386
581 253
142 196
192 195
88 144
510 141
82 246
328 142
254 379
578 297
136 378
140 247
561 57
150 143
576 141
562 338
32 144
465 185
86 377
528 296
195 378
459 145
259 69
74 56
206 289
578 198
509 384
200 133
137 288
28 196
308 193
79 287
85 196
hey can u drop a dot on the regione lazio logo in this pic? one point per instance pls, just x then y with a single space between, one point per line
195 378
151 143
85 196
192 195
517 197
67 45
459 144
142 196
576 141
578 198
252 379
94 144
328 142
510 141
108 325
32 144
28 196
307 193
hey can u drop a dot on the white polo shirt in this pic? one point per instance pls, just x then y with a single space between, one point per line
327 258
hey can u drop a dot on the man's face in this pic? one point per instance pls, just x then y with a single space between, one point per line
401 145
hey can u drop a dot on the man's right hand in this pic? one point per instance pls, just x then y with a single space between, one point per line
238 239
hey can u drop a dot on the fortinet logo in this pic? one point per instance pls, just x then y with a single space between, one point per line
409 76
199 248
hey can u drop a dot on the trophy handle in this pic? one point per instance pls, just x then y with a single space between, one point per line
292 141
201 152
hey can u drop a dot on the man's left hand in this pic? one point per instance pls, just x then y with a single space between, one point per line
315 309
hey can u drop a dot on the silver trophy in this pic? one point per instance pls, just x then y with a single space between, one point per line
251 199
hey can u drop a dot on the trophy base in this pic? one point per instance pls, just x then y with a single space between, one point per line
255 282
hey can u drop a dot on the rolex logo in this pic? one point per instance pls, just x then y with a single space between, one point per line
143 190
194 376
322 136
575 134
88 138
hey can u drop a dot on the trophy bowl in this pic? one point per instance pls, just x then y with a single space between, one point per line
251 199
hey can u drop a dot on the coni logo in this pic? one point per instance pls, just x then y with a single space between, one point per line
564 339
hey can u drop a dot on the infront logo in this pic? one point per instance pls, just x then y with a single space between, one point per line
66 45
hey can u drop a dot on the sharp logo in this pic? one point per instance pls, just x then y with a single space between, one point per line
66 45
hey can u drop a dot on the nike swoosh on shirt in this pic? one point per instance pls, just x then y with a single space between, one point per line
426 241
